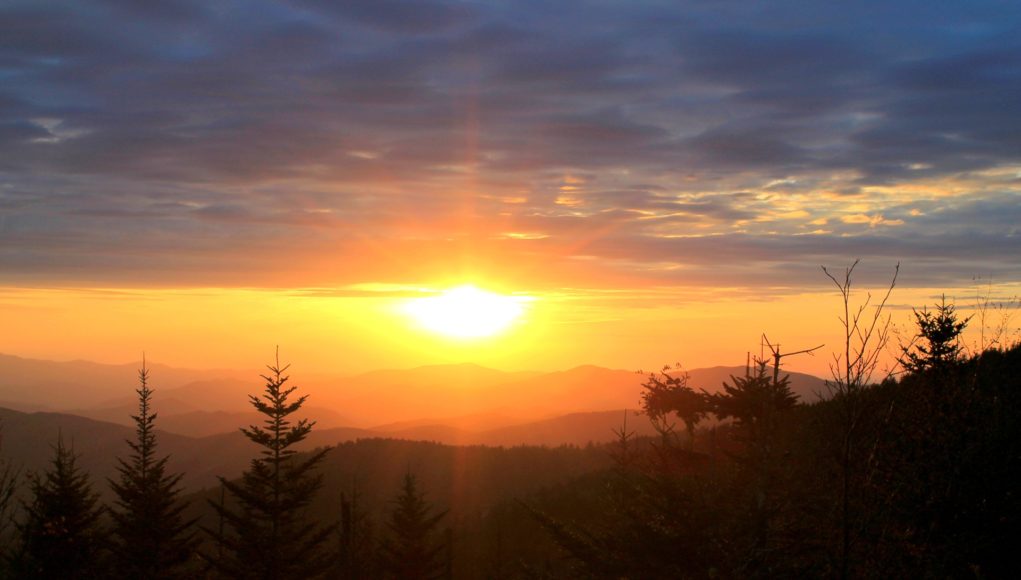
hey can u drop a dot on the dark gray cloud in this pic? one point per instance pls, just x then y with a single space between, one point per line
164 143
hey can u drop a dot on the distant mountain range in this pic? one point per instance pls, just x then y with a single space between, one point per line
64 385
457 404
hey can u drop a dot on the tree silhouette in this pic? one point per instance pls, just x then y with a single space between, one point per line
940 332
151 539
758 403
269 535
355 542
412 551
754 401
665 393
61 535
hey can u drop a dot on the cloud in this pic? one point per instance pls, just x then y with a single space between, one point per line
163 144
397 16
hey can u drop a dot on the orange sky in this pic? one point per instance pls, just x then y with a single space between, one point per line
364 327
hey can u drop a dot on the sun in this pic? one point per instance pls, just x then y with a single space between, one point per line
466 312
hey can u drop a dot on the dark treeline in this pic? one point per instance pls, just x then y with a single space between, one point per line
914 476
357 510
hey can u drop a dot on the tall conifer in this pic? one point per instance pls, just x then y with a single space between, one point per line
268 534
151 539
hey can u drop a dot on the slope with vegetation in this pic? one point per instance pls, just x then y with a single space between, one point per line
913 477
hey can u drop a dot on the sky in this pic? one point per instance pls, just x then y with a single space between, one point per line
661 180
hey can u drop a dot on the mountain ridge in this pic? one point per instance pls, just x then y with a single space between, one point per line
466 396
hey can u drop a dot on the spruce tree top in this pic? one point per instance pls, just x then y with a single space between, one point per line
278 434
412 551
938 344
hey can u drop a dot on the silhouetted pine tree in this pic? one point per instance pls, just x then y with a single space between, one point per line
759 404
937 445
940 333
61 535
412 552
151 540
355 543
754 401
269 535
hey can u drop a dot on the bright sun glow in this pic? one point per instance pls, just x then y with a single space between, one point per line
466 312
